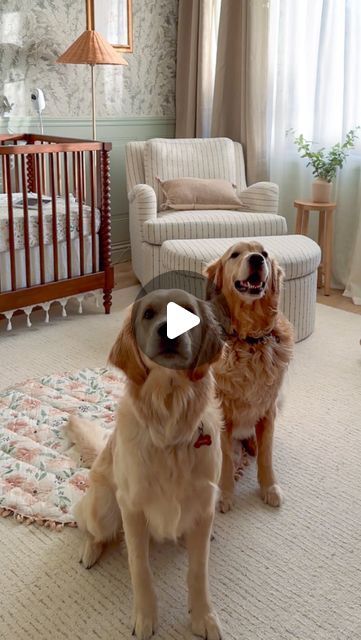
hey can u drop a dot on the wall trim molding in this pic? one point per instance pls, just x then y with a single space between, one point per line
51 121
121 251
122 215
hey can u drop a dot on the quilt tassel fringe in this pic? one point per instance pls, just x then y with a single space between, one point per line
27 520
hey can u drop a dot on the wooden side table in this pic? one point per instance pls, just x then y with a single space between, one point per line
325 235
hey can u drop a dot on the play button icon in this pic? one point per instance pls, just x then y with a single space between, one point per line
179 320
175 323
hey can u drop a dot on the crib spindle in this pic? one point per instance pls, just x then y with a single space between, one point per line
105 232
11 223
74 174
30 175
83 176
43 172
67 214
16 170
38 173
80 210
58 174
54 216
26 222
92 205
3 180
3 174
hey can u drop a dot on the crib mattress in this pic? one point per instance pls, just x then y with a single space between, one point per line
47 222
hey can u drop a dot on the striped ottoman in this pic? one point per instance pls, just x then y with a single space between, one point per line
299 257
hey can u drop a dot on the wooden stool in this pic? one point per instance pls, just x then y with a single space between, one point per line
325 235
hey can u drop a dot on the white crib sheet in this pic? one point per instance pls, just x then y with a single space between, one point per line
47 222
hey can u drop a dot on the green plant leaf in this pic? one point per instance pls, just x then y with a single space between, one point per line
324 165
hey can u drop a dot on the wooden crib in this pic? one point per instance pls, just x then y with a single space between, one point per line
55 220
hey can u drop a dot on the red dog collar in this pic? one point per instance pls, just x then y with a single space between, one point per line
204 439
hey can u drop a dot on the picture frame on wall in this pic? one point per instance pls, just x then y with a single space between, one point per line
113 19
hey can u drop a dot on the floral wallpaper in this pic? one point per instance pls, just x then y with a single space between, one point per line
34 33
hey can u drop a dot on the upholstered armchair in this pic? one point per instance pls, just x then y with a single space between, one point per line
167 159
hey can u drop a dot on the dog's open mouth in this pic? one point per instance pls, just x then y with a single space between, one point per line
168 350
168 353
171 358
253 285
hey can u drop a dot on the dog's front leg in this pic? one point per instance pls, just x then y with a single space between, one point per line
270 490
144 598
204 619
226 483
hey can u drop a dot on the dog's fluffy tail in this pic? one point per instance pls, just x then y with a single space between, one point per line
88 437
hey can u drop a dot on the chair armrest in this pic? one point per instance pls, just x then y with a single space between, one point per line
143 194
142 206
260 197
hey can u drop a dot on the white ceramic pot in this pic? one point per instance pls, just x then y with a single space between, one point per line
321 190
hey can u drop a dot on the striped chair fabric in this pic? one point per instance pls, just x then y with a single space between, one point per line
211 224
203 158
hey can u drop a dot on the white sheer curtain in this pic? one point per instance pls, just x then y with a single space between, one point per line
207 86
315 84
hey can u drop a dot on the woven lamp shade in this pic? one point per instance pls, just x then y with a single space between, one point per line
91 48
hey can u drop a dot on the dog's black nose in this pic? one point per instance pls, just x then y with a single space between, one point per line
162 330
256 260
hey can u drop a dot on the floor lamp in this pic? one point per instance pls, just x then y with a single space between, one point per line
91 48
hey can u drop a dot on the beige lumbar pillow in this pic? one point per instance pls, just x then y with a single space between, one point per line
199 193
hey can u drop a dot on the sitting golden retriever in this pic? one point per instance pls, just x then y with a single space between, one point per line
157 474
246 287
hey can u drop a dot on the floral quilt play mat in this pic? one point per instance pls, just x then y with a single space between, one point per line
40 480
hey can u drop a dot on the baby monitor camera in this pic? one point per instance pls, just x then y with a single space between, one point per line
38 102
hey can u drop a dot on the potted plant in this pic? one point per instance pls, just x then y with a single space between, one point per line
325 163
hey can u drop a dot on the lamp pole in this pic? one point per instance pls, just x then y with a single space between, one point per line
93 102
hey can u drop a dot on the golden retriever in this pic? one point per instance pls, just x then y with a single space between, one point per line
246 285
158 473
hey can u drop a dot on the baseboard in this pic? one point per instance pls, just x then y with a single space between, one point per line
121 251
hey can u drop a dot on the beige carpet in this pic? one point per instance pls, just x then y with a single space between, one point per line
288 574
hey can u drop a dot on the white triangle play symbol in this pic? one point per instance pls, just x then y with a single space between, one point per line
179 320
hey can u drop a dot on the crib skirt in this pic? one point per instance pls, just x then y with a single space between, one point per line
5 272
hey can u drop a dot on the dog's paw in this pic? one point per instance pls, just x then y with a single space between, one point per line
238 473
71 428
90 552
145 622
272 495
206 626
225 503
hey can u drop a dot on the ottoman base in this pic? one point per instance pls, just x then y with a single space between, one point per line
298 303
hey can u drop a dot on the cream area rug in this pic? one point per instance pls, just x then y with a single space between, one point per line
275 575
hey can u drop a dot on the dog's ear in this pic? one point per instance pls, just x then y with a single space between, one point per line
211 344
214 273
277 276
125 354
